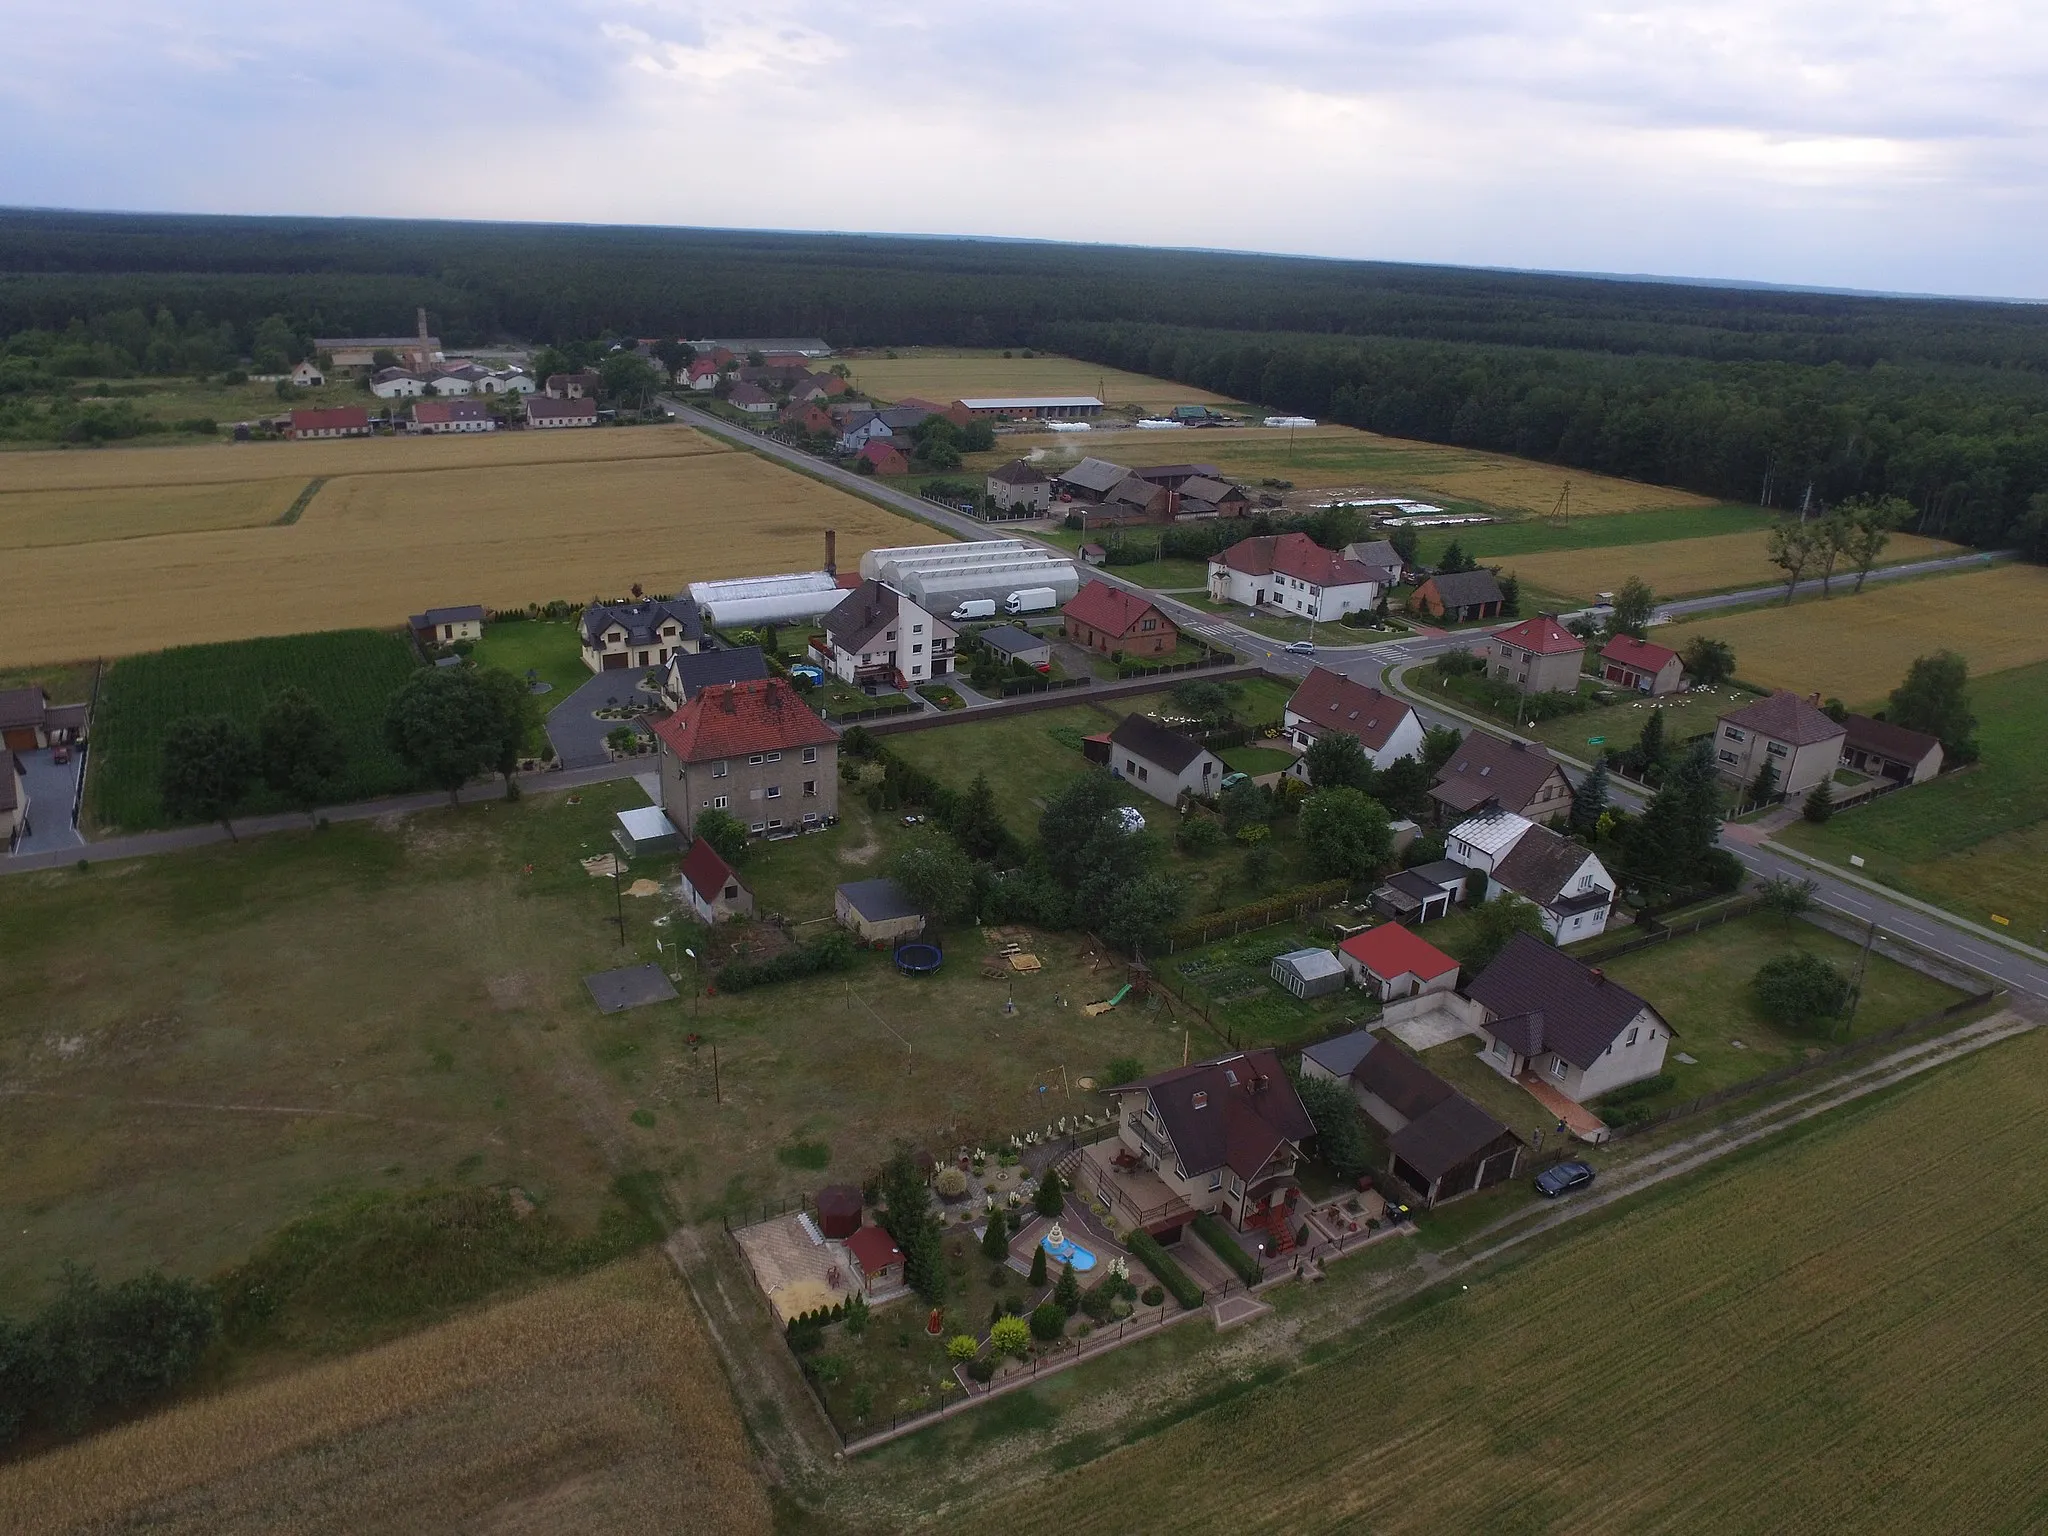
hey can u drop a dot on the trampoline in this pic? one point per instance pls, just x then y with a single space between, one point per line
919 958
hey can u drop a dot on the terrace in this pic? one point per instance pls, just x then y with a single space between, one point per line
1136 1196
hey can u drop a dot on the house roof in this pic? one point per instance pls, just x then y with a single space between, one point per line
1441 873
1340 1053
1583 1012
65 717
1113 610
1211 490
21 706
1391 950
1888 740
1541 865
879 900
546 408
1028 402
879 451
1135 492
1164 472
1375 552
1234 1111
1292 554
469 613
862 614
1091 474
1466 589
10 789
1493 831
706 872
738 719
1542 635
330 417
901 418
583 378
1404 1084
1156 744
1786 717
1486 768
873 1250
1454 1132
450 410
1631 652
748 393
1333 702
689 672
1012 641
1017 472
641 621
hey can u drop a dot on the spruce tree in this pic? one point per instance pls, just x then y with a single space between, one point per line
1051 1198
995 1243
1589 798
1765 787
1038 1263
1068 1292
1820 802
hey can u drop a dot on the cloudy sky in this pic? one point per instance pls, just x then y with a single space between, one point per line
1887 144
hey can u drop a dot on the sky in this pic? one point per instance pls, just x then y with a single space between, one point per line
1877 144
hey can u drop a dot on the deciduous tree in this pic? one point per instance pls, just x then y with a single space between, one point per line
1935 698
208 763
1709 661
1347 833
1634 603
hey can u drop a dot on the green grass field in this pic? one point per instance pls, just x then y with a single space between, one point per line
1232 978
352 671
554 651
1497 542
1974 841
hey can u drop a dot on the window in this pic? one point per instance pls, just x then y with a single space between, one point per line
775 823
758 828
917 650
718 802
917 629
718 769
1558 1068
1775 748
1215 1181
774 757
774 791
1148 624
1729 757
810 754
1733 734
810 789
1631 1040
757 759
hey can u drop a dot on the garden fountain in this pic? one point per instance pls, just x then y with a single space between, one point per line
1062 1249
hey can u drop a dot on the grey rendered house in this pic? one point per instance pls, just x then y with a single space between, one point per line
754 750
1565 1023
1793 734
1162 762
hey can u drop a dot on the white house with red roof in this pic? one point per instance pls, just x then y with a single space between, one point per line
1538 655
1390 962
1383 726
754 750
710 888
1293 573
1114 622
701 374
1628 662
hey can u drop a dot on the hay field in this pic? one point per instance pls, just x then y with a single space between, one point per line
945 374
1844 1333
1684 567
1858 648
1345 458
33 519
494 520
592 1405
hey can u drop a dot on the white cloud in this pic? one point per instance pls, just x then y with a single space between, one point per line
1856 142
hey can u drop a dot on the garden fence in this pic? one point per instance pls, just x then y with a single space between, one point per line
1211 657
1012 686
1286 906
1659 933
964 508
875 712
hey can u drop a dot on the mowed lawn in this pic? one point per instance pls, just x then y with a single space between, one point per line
1858 648
504 520
1974 841
596 1404
1842 1332
946 374
1685 567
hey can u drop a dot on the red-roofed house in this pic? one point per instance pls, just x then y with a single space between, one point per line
1114 622
1391 962
1328 701
752 749
710 887
883 457
1628 662
702 374
451 416
877 1259
752 399
1293 573
814 420
337 421
1538 655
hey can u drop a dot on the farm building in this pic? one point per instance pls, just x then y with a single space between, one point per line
1628 662
810 347
1090 480
839 1211
746 602
644 829
942 576
335 421
1309 972
1034 407
711 890
878 910
1538 655
451 416
1458 597
419 351
546 414
307 375
1890 752
1204 496
445 626
397 384
1174 476
1391 962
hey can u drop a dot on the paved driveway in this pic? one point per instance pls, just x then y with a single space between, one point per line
52 790
573 727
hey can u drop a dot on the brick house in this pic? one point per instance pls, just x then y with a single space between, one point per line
1113 622
1538 655
754 750
335 421
451 416
883 457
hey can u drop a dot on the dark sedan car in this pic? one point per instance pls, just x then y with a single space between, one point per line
1562 1179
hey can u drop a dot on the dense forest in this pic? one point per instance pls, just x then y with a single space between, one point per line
1752 394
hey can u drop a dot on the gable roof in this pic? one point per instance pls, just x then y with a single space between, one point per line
1017 472
10 790
1583 1013
690 672
547 408
1631 652
738 719
1234 1111
450 410
1453 1132
1340 1053
749 393
1333 702
1293 554
1209 489
1541 865
468 613
1376 552
879 451
1888 740
1492 831
641 621
1092 474
1167 472
1391 950
862 614
1156 744
1786 717
1486 768
1542 635
1466 589
330 417
1113 610
705 870
22 706
873 1250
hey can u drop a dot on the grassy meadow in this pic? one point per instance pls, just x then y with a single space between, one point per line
1684 567
946 374
401 524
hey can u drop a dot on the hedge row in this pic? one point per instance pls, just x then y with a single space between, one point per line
1228 1249
1169 1274
1198 930
833 951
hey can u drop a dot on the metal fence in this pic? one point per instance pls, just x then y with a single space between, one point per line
1211 657
1659 933
874 712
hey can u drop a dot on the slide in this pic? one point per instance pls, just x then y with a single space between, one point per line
1095 1009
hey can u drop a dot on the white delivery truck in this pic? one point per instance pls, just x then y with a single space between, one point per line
1031 600
976 608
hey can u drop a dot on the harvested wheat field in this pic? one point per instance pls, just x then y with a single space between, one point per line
1858 648
1343 458
944 375
503 520
592 1405
1683 567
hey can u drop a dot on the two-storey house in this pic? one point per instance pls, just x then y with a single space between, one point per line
754 750
1796 736
1565 1023
878 635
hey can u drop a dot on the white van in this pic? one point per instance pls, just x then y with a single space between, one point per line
976 608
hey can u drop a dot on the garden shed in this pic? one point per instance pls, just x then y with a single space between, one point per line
839 1210
877 910
1309 972
644 829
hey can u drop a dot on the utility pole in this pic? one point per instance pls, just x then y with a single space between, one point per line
619 897
717 1083
1862 966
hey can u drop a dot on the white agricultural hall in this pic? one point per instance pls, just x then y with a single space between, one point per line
746 601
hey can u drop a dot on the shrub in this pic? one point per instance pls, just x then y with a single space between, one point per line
952 1183
1068 1292
857 1315
1170 1274
1340 1130
1009 1336
961 1347
981 1367
1800 988
1200 836
1154 1296
1228 1249
1048 1321
833 951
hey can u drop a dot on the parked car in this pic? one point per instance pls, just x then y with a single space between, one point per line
1301 647
1232 780
1562 1179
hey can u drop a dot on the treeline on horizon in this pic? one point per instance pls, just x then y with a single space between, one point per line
1750 394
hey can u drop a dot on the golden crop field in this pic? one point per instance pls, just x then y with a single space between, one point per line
944 374
596 1404
504 519
1681 567
1847 1333
1346 458
1858 648
33 519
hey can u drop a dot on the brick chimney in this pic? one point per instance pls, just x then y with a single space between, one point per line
831 552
